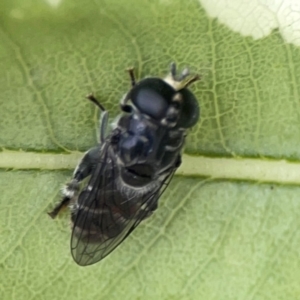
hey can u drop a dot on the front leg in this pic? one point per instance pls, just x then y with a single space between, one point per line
104 116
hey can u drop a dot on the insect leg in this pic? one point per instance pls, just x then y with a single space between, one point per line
132 77
123 104
104 116
71 190
87 163
178 162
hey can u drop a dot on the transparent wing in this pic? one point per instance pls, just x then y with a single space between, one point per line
104 216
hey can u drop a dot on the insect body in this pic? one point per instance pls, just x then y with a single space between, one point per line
130 168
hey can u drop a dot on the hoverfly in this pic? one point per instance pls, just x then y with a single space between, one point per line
130 167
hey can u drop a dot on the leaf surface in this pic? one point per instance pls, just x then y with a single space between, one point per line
211 238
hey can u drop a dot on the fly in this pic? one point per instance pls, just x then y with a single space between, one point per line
131 167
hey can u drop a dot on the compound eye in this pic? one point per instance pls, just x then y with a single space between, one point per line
190 111
151 103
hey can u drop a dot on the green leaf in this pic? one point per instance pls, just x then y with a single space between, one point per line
227 226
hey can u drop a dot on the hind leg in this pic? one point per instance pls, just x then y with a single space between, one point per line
71 190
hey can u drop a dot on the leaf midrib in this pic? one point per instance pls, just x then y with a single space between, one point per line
248 169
